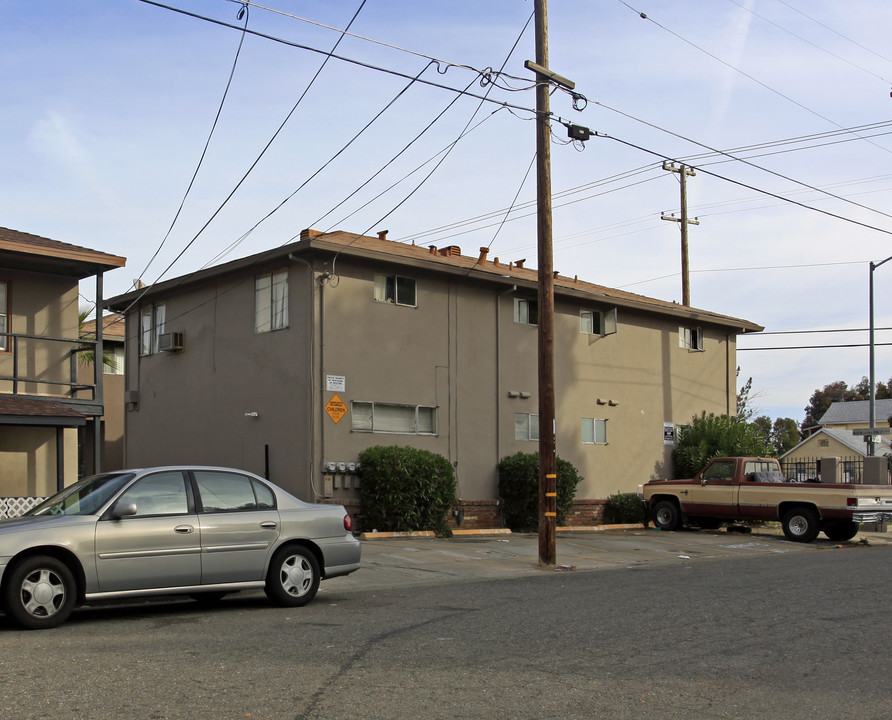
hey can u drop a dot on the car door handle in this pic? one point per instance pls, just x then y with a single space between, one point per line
184 529
269 525
682 492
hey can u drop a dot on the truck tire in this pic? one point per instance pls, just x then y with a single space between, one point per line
841 530
801 524
667 515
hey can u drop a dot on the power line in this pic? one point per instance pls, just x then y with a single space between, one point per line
812 347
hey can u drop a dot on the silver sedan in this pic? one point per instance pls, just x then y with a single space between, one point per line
199 531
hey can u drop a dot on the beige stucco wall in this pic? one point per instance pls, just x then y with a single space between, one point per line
819 446
28 460
459 350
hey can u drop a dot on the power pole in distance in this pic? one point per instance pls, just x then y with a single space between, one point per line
683 171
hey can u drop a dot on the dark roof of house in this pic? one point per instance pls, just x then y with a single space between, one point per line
112 327
855 411
20 410
447 259
32 252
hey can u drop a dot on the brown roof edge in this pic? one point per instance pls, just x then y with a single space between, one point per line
17 241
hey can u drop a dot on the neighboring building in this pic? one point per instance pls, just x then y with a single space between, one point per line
291 362
855 414
44 405
112 421
802 462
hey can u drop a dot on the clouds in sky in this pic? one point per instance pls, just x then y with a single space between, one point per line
107 107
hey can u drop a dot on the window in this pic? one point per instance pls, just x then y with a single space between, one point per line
594 431
690 338
229 492
115 353
392 418
4 316
395 289
596 322
271 302
151 326
721 470
526 312
526 427
159 494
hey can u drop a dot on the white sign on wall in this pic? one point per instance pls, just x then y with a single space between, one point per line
668 433
336 383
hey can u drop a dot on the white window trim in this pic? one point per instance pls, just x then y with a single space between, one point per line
531 428
380 289
522 310
603 322
595 424
417 410
152 321
271 303
690 338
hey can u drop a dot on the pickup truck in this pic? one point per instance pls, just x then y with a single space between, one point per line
731 489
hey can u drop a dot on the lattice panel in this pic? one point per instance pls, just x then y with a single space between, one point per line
13 507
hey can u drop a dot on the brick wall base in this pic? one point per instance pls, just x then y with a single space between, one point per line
485 514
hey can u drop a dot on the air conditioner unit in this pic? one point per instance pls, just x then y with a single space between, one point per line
170 342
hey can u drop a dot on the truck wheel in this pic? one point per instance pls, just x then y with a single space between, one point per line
801 524
667 515
841 530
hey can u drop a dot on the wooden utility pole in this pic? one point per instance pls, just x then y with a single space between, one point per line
683 171
547 452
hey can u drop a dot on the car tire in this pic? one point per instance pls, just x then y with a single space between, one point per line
667 515
841 530
39 592
801 524
293 576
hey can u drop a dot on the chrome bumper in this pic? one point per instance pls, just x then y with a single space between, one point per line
872 516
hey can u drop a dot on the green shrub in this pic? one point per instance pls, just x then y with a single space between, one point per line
405 489
624 508
710 436
519 490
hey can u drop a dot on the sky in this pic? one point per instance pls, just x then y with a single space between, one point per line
782 109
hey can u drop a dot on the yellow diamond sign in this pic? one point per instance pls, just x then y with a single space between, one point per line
336 408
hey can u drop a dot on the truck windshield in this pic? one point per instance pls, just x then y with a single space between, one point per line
83 498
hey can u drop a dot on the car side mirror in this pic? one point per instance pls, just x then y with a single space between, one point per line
123 509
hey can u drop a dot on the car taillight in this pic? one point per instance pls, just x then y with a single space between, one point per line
851 502
348 523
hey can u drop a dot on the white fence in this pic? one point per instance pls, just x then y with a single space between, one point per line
14 506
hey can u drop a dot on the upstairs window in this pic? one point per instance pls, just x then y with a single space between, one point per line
395 289
526 427
151 326
690 338
594 431
597 322
526 312
271 302
4 316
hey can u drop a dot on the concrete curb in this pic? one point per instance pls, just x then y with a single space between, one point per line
491 531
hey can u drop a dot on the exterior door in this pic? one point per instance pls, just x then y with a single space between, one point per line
716 495
159 547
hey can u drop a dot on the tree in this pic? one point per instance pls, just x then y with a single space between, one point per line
710 436
763 422
785 435
745 398
839 391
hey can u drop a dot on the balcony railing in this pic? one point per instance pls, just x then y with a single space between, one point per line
45 366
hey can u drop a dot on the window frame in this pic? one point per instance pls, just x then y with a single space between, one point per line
526 311
273 315
606 322
690 338
391 289
596 423
430 425
152 322
4 316
526 430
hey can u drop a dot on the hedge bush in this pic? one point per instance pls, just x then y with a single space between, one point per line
624 508
403 489
519 490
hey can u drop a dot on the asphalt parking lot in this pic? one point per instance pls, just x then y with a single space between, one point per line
391 562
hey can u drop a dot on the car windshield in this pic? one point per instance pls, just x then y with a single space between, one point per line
84 497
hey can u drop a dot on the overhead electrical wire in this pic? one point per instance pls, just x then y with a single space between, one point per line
768 87
242 13
805 40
